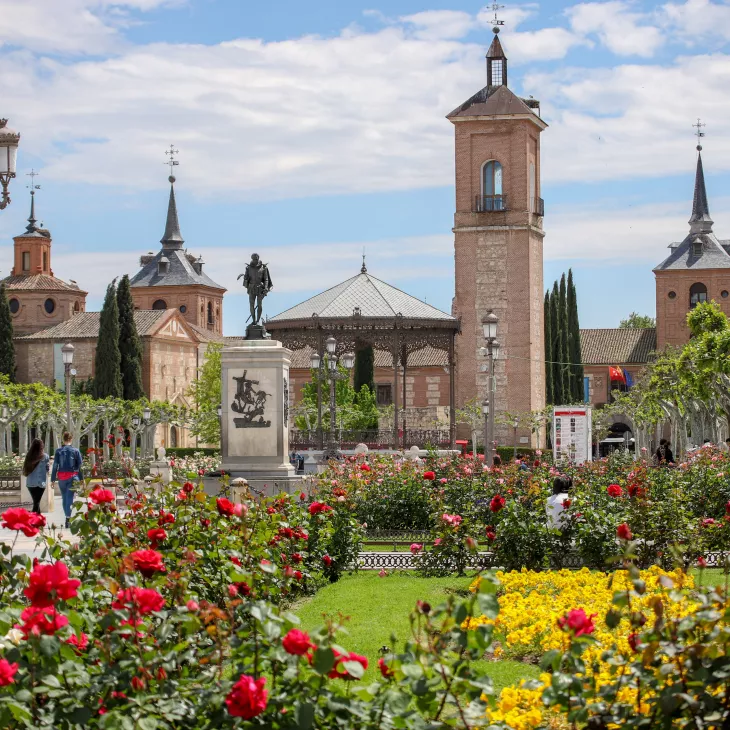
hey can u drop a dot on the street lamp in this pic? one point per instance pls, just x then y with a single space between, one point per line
67 355
514 426
146 415
347 360
489 325
485 411
8 154
133 437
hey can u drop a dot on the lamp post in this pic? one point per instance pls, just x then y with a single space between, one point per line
67 355
485 411
515 423
489 325
8 154
146 415
133 440
332 449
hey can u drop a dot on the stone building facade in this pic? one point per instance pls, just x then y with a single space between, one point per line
37 298
498 241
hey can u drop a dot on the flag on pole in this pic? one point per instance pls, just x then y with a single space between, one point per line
629 379
616 374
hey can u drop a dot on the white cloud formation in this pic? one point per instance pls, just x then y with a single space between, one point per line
695 21
439 24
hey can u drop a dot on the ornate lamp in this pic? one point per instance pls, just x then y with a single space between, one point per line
9 140
348 360
489 324
315 361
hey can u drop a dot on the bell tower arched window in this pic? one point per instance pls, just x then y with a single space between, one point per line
492 197
697 294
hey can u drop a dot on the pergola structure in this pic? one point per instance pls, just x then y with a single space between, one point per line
364 311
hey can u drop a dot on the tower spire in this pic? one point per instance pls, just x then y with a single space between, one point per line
700 220
31 227
496 60
172 238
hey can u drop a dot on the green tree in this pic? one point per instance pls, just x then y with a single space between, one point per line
130 345
205 393
574 352
364 368
637 321
7 348
548 351
557 372
108 361
564 354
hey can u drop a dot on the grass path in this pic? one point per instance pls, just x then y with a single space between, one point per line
379 608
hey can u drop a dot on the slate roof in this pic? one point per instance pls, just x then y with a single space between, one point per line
39 282
180 272
428 357
206 335
617 346
494 100
85 325
374 297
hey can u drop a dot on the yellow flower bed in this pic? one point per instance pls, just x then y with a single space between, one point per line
530 605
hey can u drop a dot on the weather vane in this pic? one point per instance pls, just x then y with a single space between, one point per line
496 22
363 268
699 133
32 175
171 161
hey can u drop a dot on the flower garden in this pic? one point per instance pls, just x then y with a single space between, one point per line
181 610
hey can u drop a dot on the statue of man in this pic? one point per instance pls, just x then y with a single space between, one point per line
257 281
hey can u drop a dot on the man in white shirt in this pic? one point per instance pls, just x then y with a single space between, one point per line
555 505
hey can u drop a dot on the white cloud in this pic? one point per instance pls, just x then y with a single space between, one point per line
440 24
693 21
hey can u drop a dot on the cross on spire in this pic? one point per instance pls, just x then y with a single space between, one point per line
32 175
496 22
699 133
171 161
363 268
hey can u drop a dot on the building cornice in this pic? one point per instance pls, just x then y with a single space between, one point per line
501 118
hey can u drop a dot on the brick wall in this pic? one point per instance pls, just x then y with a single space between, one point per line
599 386
32 316
194 299
34 360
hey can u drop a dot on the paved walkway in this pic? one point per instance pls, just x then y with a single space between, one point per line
27 545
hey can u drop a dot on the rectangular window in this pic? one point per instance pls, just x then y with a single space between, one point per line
384 394
26 260
496 79
45 261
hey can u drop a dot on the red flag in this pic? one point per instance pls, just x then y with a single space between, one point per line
616 374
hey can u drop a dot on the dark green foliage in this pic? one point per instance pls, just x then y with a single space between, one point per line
564 355
574 353
364 368
557 373
108 374
130 345
548 349
7 349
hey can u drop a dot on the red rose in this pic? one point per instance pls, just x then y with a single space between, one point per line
192 605
566 503
241 588
297 558
298 574
317 508
139 600
623 531
79 643
701 562
235 560
327 560
224 506
577 622
101 496
205 522
491 536
364 467
37 520
161 674
339 672
614 490
18 518
497 503
632 489
633 640
302 496
39 621
296 642
166 518
188 487
247 697
385 670
7 672
138 683
156 535
49 583
148 562
430 475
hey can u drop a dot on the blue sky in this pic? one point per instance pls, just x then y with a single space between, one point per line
311 131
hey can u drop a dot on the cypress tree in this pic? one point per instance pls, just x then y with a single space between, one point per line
574 349
557 376
7 348
130 345
107 363
548 349
364 368
564 355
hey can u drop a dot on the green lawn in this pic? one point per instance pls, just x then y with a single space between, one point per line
379 608
708 577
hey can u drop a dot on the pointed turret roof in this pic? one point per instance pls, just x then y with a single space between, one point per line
700 221
495 50
32 230
172 237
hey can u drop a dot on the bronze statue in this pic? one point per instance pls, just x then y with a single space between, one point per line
257 281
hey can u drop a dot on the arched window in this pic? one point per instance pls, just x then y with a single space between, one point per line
697 294
159 304
492 198
173 436
210 313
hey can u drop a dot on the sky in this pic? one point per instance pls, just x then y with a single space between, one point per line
311 132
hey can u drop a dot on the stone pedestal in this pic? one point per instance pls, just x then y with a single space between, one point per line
46 499
255 419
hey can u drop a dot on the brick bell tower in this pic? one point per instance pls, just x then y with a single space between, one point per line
498 243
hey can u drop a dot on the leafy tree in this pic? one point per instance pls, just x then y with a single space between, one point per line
563 339
574 352
549 398
108 374
364 368
205 393
557 372
7 349
637 321
130 345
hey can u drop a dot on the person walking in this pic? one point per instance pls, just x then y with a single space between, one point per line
35 471
67 469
